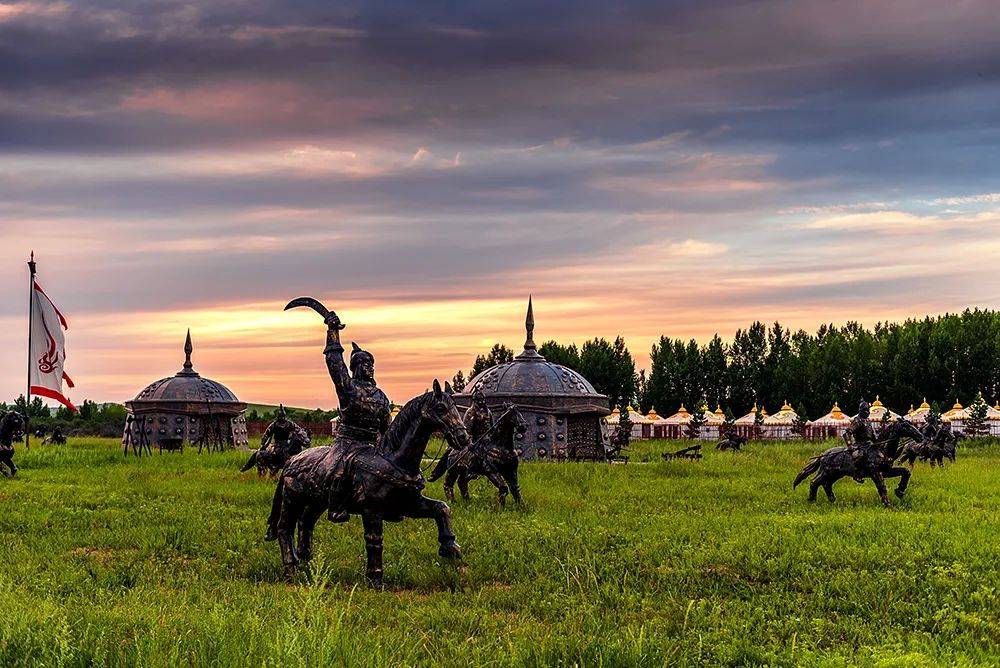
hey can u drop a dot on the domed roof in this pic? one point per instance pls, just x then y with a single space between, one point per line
531 375
186 386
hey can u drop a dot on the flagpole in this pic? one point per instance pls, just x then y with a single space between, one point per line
31 314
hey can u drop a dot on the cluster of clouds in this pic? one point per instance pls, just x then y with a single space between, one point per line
643 167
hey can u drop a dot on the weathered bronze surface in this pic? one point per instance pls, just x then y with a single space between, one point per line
282 440
562 409
373 467
12 426
184 408
862 459
492 455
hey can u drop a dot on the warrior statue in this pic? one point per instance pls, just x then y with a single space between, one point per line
282 440
862 457
478 421
12 426
364 408
478 418
373 467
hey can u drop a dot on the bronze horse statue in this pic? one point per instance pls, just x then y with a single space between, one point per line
12 426
875 460
732 441
493 456
380 483
944 444
282 440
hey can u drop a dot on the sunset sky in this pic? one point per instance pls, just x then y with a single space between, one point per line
640 168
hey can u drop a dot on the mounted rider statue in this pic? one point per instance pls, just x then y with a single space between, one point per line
282 440
478 418
478 421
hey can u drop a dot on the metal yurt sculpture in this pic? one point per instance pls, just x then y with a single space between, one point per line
561 407
184 408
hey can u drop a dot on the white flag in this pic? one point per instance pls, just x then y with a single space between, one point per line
48 349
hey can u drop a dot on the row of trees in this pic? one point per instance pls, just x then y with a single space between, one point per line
92 419
944 358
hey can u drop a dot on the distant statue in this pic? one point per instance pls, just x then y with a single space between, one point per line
940 442
492 455
731 441
373 467
12 426
620 438
56 437
282 440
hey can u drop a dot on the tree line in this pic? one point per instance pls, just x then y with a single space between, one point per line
943 358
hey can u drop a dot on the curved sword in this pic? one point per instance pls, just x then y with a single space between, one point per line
314 304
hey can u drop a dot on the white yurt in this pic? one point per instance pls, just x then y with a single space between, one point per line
831 425
712 428
956 415
919 414
744 425
879 412
781 423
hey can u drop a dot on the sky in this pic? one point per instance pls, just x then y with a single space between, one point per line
646 168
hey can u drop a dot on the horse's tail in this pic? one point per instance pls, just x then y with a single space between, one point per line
441 468
809 469
250 462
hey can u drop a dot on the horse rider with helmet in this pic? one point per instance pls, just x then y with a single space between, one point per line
860 437
364 408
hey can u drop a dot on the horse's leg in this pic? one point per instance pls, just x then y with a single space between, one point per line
373 549
815 483
499 483
288 518
463 484
307 522
441 513
903 474
449 484
880 486
828 488
510 475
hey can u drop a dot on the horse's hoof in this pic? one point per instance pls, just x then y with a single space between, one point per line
450 551
375 581
899 494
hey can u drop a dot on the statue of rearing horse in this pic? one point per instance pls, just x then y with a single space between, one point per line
373 467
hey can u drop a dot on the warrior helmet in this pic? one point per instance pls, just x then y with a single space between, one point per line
864 408
479 397
359 355
281 411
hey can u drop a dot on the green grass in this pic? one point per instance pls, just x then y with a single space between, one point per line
159 561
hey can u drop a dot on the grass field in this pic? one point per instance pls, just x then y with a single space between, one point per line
159 561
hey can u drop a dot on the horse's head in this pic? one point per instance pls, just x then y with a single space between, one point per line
438 410
510 422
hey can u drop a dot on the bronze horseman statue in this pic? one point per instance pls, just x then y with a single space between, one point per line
862 457
282 440
373 467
